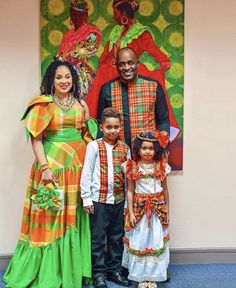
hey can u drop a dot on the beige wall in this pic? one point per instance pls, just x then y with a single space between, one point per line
203 198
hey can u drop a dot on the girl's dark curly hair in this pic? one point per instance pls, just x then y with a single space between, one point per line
149 136
49 76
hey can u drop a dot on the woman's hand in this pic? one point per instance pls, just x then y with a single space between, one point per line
48 176
89 209
132 219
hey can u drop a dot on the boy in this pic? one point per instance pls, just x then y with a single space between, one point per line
102 191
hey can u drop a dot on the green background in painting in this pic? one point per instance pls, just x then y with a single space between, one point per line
164 17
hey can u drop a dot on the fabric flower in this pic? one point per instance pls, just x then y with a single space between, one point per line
46 197
162 138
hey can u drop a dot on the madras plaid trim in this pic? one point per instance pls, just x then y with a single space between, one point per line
142 100
103 171
116 100
119 154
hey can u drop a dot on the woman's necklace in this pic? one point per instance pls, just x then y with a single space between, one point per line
65 105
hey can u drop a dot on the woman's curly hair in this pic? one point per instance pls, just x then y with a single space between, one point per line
49 76
148 136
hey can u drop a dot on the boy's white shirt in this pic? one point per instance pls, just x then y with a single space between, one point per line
90 178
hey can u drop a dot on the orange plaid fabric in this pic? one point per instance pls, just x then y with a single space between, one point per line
119 154
148 204
142 99
65 159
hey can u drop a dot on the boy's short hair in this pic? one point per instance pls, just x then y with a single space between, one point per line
110 113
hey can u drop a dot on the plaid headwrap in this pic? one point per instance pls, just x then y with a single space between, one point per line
119 153
142 99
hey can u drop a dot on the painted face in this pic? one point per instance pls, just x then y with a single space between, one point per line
147 152
62 81
78 18
126 65
111 128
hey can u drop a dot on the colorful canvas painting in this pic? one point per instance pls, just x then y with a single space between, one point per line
165 18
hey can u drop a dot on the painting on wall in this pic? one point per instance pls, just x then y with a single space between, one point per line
162 19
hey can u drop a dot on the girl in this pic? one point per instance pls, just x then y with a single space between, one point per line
146 252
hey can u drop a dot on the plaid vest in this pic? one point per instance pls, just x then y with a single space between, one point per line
142 100
119 153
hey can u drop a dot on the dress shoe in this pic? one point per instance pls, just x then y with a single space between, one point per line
118 278
99 281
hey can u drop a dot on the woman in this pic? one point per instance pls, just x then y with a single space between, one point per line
129 33
54 246
80 44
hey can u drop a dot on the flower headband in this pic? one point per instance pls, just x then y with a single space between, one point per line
162 137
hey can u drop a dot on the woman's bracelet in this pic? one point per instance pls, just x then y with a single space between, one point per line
44 167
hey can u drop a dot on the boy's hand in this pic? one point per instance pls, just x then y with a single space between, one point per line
89 209
132 219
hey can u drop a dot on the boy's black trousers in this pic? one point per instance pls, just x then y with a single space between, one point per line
107 227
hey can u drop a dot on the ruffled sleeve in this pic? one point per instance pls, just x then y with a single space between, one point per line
90 128
132 170
164 166
38 115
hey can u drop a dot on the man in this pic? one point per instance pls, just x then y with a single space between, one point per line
140 100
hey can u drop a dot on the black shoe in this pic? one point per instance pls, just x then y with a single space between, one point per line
99 281
118 278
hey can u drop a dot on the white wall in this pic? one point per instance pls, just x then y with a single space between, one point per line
203 198
19 81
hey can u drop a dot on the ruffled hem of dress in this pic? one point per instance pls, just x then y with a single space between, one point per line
63 263
147 251
145 278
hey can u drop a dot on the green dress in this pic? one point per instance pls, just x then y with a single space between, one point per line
54 246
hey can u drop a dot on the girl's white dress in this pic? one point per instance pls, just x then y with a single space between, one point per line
146 249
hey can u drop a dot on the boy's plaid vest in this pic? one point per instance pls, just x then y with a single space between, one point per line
119 153
142 100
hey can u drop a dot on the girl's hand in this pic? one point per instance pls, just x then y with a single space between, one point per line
168 216
48 177
89 209
132 219
167 221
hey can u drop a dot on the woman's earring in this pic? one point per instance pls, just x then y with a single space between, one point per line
52 90
73 89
